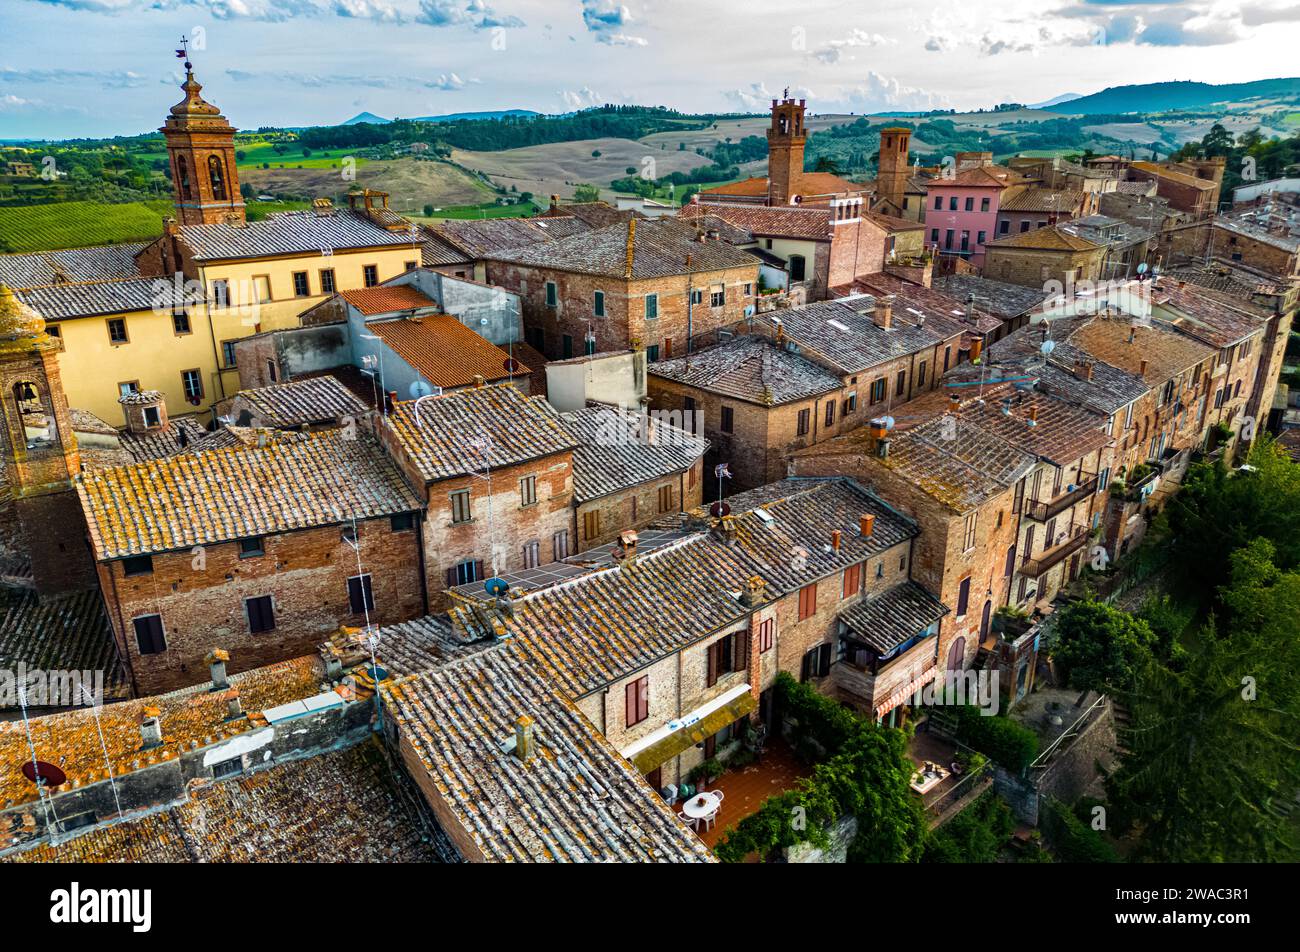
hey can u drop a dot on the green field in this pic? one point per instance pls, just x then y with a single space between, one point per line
256 155
74 224
491 210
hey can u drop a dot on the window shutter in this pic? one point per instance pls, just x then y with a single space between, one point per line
643 698
629 704
805 666
451 577
478 570
824 660
712 677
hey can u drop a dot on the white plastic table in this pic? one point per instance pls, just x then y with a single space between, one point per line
701 806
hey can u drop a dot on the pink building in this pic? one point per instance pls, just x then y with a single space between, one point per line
962 212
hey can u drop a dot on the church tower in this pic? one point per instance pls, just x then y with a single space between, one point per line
39 450
785 142
201 149
892 170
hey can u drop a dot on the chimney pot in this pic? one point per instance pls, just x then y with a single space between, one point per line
479 380
835 539
976 348
217 659
628 539
882 449
234 706
755 589
866 524
1143 367
525 742
151 727
1033 414
884 313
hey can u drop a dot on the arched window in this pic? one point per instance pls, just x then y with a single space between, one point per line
218 178
957 654
37 420
183 177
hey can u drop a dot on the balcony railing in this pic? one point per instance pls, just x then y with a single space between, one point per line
1042 511
1057 554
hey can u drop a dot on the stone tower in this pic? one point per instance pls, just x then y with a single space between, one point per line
201 149
785 142
892 170
40 451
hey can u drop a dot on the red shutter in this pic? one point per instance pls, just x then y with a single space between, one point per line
629 704
643 698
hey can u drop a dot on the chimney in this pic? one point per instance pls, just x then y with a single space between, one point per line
1132 333
726 529
261 437
688 262
479 380
1142 371
754 593
1033 415
151 727
555 202
322 207
884 313
525 742
976 348
234 706
866 525
631 248
216 660
1087 369
835 540
954 403
882 449
628 539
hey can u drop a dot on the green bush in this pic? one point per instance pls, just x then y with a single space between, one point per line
976 835
1073 840
997 737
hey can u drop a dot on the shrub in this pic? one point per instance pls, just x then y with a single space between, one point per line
1074 840
975 835
998 737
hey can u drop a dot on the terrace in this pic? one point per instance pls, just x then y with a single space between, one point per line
1043 511
957 787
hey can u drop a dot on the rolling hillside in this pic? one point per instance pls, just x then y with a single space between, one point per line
1159 97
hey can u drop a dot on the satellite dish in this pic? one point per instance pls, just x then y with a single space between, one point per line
719 509
1142 268
888 421
49 774
496 587
511 365
420 389
1048 347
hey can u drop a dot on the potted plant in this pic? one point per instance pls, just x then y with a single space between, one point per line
705 773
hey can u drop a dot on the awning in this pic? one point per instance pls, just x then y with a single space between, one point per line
710 719
902 694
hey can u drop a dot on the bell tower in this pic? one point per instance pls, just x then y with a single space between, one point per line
201 150
785 141
40 455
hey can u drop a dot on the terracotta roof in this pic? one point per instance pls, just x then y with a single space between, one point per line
444 351
444 435
203 498
997 297
60 633
311 401
824 183
812 224
844 335
1045 239
1031 199
179 434
980 176
592 214
750 368
436 252
619 450
387 298
944 313
1182 178
892 223
479 237
575 800
757 185
1165 352
343 806
1108 390
43 268
1207 318
660 249
888 619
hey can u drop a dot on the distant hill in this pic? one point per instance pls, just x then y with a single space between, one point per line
365 117
1158 97
493 114
1056 100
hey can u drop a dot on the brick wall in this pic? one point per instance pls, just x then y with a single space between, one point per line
638 506
201 599
1032 267
856 248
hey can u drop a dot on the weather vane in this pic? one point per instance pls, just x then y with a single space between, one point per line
184 52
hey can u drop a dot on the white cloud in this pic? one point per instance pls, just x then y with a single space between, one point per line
879 93
583 98
834 50
606 21
447 82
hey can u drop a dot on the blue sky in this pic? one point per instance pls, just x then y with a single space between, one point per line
104 67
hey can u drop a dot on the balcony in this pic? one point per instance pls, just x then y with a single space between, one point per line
1042 511
1036 566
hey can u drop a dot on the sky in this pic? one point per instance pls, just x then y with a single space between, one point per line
103 67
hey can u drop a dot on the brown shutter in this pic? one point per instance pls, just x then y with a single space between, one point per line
643 698
629 704
478 570
712 677
451 576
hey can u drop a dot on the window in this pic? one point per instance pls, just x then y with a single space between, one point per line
652 353
952 203
965 240
970 203
728 420
797 267
527 491
149 634
228 352
217 178
651 306
877 390
1004 226
221 293
852 581
1010 568
552 294
251 547
963 597
920 374
900 385
228 768
117 330
560 545
665 498
947 356
300 286
636 701
816 663
591 524
409 265
830 412
717 297
598 304
460 507
851 404
192 382
361 597
566 347
349 535
1103 481
532 554
749 290
463 573
262 288
807 601
729 653
934 235
180 322
984 204
128 387
138 565
327 281
766 635
261 614
804 422
983 237
370 274
270 369
947 238
697 296
969 542
938 203
402 522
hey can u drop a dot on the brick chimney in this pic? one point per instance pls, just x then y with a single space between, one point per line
1143 367
835 540
628 539
866 525
234 706
884 312
151 727
1033 415
755 591
525 741
216 660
